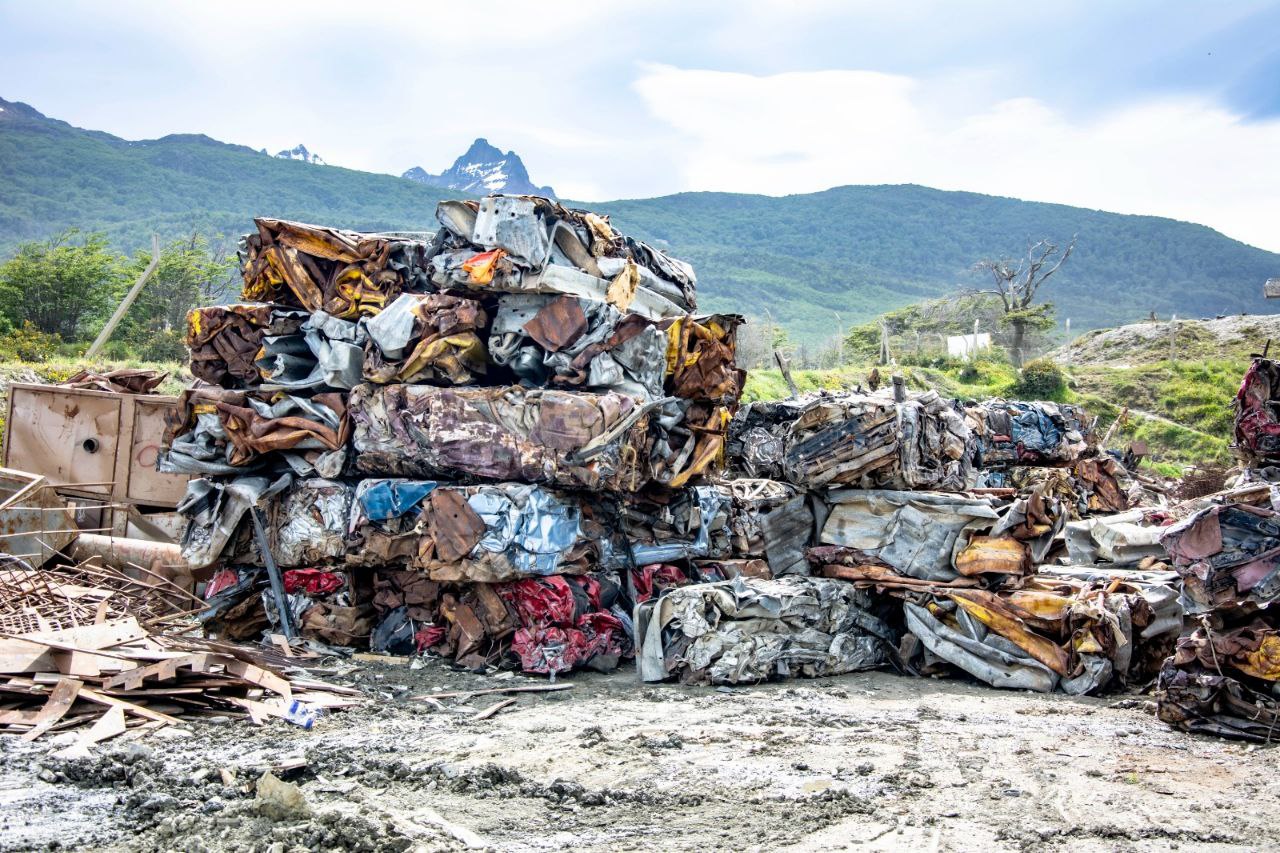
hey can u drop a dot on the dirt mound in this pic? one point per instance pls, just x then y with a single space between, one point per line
1139 343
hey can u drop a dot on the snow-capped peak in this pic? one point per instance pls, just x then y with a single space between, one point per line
300 152
483 169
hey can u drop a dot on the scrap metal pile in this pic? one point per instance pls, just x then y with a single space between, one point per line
487 442
1223 677
513 442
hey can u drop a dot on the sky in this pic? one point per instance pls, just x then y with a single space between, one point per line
1169 108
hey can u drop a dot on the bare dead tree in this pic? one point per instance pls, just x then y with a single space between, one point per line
1016 283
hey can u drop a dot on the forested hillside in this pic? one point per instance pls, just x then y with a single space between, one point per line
851 251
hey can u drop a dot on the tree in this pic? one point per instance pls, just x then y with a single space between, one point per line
1017 283
190 273
60 286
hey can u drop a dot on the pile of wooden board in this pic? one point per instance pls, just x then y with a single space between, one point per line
115 676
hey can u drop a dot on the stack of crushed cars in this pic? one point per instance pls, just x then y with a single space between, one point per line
513 442
1224 677
953 519
488 442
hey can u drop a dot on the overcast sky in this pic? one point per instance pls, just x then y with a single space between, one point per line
1168 108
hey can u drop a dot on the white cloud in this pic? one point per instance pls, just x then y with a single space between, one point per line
1186 158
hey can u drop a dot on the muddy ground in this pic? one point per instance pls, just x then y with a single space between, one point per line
870 761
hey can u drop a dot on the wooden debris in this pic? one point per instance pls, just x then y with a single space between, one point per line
118 676
515 688
493 709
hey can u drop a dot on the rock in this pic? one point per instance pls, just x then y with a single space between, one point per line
280 800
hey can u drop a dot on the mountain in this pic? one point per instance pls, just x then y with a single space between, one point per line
854 252
300 152
482 170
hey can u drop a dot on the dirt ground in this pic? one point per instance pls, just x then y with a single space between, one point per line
870 761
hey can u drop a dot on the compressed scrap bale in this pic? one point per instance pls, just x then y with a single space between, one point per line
550 340
748 630
488 533
342 273
771 520
1089 486
216 510
224 340
307 524
225 432
1052 633
325 352
1228 555
1222 681
862 440
939 536
1123 539
529 244
702 359
1012 432
1257 417
508 531
566 624
331 606
594 441
918 534
545 625
434 338
662 526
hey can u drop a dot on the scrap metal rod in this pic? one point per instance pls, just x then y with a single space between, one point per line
273 572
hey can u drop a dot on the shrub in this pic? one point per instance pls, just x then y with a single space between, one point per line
28 343
166 345
1042 379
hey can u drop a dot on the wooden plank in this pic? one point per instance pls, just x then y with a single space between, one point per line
165 670
109 725
113 702
519 688
19 656
264 678
312 684
92 638
493 709
55 708
88 664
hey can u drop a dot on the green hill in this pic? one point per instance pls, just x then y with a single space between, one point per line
856 251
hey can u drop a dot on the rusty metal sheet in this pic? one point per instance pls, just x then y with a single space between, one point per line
35 523
68 436
146 484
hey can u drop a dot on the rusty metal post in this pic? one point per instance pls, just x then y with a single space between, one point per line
273 573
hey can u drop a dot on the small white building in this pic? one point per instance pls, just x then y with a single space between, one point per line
964 346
